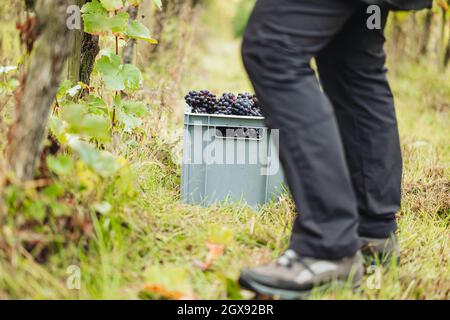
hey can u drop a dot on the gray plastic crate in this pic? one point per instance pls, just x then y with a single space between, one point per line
231 158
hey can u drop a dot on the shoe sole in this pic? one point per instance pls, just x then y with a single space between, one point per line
284 294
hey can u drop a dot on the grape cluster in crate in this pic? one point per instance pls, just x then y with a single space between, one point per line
242 104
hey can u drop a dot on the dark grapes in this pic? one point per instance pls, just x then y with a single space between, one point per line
256 109
225 104
244 104
201 101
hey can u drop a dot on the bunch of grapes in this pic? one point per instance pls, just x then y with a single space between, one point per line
244 104
256 109
225 104
201 101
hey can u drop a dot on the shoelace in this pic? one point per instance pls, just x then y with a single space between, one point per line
289 257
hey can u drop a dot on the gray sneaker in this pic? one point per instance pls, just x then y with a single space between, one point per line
294 277
380 251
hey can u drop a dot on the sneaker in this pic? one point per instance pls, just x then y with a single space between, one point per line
294 277
380 251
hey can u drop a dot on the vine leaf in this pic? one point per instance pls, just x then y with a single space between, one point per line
97 20
97 105
116 75
129 121
63 88
101 161
118 23
128 113
81 122
136 108
112 5
58 129
60 164
132 76
137 30
93 7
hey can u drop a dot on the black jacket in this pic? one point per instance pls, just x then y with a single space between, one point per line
404 4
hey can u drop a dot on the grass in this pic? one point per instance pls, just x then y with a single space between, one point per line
150 240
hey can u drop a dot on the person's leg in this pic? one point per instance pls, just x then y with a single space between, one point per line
353 75
281 38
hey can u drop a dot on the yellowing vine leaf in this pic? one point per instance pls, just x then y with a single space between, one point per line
215 251
167 282
159 292
112 5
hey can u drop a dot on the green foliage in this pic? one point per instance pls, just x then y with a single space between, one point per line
112 5
241 17
80 121
63 89
100 161
98 20
83 121
33 206
60 164
128 113
220 234
7 84
116 75
137 30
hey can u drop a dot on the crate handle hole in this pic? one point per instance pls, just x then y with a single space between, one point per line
242 133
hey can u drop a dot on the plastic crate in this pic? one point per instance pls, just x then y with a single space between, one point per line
230 158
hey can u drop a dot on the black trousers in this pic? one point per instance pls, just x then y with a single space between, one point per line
339 143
